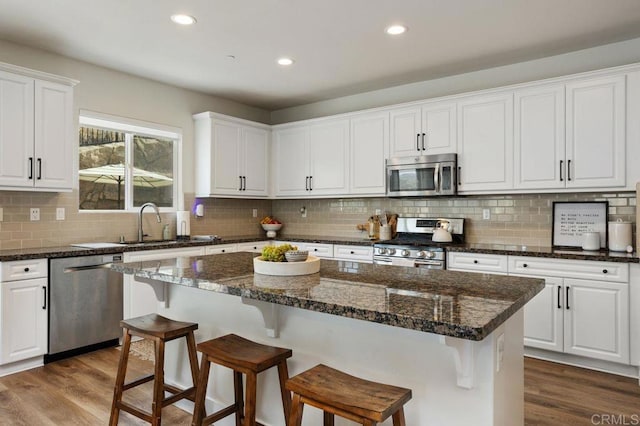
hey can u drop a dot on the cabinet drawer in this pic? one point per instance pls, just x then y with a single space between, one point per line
359 253
475 262
255 247
221 248
319 250
585 269
142 256
23 269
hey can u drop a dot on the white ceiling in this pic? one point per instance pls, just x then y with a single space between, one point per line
339 46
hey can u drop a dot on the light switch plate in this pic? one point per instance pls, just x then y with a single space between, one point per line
34 213
486 214
60 213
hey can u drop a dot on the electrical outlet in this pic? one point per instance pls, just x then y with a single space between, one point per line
499 352
34 213
255 212
60 213
486 214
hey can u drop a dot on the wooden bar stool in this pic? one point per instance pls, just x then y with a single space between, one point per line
243 357
335 392
160 330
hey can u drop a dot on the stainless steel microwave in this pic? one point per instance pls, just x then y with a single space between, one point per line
423 176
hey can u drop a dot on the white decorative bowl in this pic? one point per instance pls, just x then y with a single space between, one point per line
309 266
296 255
271 228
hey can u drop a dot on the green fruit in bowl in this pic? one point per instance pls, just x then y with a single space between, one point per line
276 253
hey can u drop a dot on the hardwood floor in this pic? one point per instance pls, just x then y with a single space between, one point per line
78 391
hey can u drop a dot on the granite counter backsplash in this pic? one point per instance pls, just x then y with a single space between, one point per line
464 305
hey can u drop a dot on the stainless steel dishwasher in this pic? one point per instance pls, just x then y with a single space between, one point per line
85 304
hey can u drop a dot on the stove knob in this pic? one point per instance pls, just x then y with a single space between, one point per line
405 253
430 255
421 253
391 251
382 250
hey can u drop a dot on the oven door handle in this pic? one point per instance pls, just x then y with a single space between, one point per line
87 268
436 178
418 262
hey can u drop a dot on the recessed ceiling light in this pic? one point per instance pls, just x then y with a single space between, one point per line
396 29
285 61
183 19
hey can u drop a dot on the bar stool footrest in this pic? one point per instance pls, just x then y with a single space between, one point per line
137 382
144 415
178 394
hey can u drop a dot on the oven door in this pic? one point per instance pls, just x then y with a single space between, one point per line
411 263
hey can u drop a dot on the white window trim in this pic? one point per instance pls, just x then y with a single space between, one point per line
144 128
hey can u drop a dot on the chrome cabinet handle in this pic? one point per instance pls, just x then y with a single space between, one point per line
30 167
568 169
310 183
44 303
306 183
240 178
244 183
567 301
423 147
459 173
418 142
561 180
39 168
559 296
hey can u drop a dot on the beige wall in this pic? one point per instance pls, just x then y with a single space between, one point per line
116 93
515 219
610 55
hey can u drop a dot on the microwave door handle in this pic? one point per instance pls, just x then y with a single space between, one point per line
436 178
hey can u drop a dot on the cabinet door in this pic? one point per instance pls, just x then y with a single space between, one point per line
54 139
406 132
255 157
291 169
543 317
485 143
596 321
369 149
24 320
596 132
16 130
226 173
539 138
439 127
329 158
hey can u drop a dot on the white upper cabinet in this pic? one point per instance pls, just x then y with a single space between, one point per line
36 133
16 130
231 157
539 138
422 130
312 160
596 132
485 142
369 149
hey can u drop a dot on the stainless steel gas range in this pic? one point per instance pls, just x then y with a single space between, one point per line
413 244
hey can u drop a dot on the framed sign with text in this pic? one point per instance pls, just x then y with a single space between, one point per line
571 219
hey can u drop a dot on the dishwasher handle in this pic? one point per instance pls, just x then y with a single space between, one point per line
87 268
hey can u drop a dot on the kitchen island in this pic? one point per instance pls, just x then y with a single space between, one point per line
454 338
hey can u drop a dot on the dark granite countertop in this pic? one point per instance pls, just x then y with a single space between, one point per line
459 304
499 249
533 251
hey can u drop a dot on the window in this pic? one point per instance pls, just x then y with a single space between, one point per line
124 164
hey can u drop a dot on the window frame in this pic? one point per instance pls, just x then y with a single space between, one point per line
129 126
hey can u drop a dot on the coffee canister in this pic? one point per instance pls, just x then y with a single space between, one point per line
619 235
590 241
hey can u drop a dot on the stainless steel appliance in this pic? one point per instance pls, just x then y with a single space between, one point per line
85 304
425 175
413 246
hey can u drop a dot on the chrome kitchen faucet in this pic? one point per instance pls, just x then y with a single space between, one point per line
152 205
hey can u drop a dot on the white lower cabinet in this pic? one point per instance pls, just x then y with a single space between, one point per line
586 317
24 314
139 298
254 247
221 248
362 254
477 262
